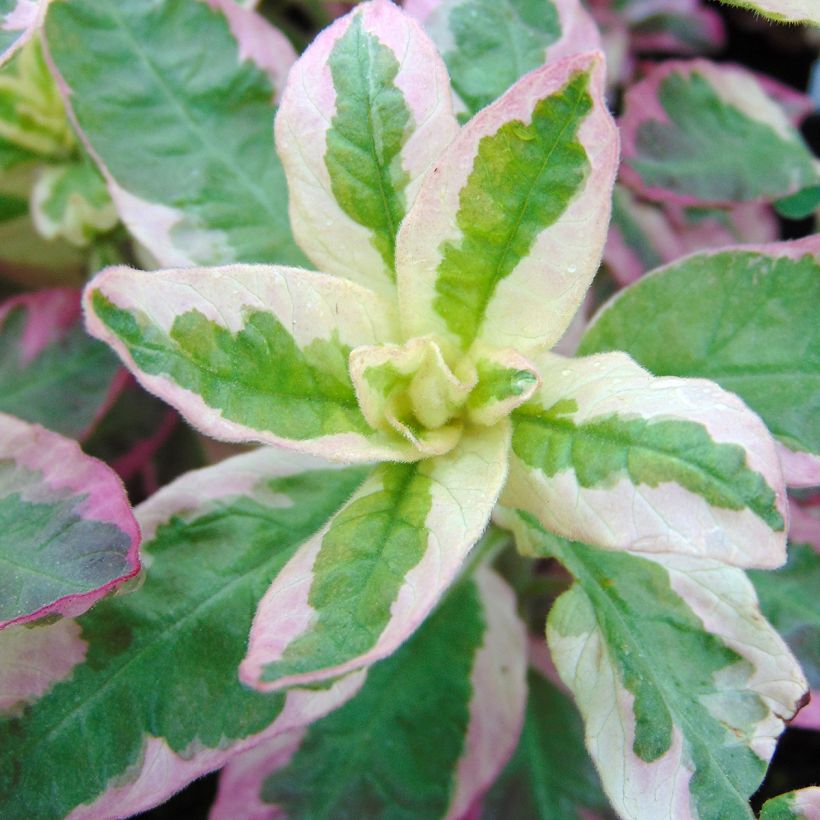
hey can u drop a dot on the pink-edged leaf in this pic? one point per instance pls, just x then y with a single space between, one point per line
683 685
251 353
366 112
433 744
207 188
658 465
644 235
19 19
358 589
508 227
695 132
51 371
185 626
68 535
489 44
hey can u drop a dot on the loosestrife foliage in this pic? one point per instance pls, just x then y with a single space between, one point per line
322 616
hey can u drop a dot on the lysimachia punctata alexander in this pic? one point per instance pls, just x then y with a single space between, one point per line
407 394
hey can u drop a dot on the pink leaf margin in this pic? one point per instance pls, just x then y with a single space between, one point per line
65 468
642 103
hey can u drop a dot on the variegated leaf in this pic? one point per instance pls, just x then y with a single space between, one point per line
550 775
19 19
366 112
250 352
803 804
358 589
489 44
645 235
607 453
745 317
507 230
175 101
696 132
51 371
677 27
683 686
784 11
67 535
71 201
152 675
455 690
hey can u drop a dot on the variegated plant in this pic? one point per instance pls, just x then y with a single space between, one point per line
331 629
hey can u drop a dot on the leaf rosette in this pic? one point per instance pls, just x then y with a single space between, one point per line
451 260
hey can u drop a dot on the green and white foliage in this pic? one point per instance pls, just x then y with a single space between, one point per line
456 690
683 686
452 259
803 804
721 317
151 675
203 185
784 11
489 44
699 133
67 535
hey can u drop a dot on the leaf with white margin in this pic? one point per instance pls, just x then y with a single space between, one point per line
789 601
360 587
71 201
366 112
67 535
250 352
696 132
745 317
429 730
507 230
550 775
489 44
175 102
19 19
683 686
608 453
151 676
678 27
802 804
783 11
51 371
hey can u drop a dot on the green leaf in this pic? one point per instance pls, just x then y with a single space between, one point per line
181 122
366 136
677 675
161 662
62 380
744 318
489 44
699 132
399 748
800 205
550 775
